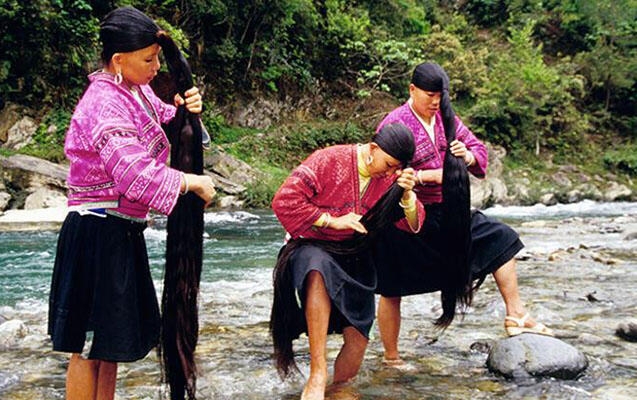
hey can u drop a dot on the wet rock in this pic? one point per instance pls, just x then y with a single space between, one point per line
11 331
627 331
7 380
482 346
589 339
536 355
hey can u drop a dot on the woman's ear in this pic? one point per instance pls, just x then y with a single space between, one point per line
117 59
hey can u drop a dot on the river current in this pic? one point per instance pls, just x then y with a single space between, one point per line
577 274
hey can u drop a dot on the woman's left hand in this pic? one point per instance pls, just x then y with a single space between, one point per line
406 178
459 149
193 101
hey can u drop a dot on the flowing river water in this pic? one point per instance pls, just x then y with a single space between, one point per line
577 274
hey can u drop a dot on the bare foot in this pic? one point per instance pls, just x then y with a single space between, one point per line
315 387
342 391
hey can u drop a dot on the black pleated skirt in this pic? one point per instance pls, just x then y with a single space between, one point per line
411 264
102 284
350 281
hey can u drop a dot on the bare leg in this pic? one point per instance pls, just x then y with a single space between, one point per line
81 378
317 314
106 380
389 325
90 379
507 281
350 357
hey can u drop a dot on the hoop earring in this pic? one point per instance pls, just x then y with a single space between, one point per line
118 78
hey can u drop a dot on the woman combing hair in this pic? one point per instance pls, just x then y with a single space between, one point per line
101 288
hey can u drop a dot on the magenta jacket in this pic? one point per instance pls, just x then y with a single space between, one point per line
117 151
430 155
328 181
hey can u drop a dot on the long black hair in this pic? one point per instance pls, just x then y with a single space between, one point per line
456 202
287 321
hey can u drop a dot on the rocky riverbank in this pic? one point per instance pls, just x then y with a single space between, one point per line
29 183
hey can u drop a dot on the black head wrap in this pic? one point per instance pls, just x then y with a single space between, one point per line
430 77
126 29
397 141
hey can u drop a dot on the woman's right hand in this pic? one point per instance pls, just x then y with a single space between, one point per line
347 221
202 186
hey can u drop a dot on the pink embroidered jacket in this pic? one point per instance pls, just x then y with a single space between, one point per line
117 151
328 181
430 155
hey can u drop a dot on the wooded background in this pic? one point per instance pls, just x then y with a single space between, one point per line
550 78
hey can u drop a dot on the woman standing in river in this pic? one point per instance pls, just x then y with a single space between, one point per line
325 277
456 246
117 151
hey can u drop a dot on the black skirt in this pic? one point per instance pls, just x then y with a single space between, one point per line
102 284
350 281
411 264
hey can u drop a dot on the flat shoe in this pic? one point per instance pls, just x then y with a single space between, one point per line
519 328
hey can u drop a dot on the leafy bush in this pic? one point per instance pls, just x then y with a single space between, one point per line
623 160
48 140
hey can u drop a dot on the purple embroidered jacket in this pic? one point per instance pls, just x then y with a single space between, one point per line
117 151
430 155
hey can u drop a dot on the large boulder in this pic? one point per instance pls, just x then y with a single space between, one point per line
616 191
492 189
44 198
21 133
230 174
26 171
9 116
536 355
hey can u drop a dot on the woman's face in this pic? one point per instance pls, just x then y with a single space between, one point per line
139 67
382 163
425 103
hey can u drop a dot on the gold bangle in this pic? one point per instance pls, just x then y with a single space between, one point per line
185 183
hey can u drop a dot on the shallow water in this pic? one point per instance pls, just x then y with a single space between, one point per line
577 274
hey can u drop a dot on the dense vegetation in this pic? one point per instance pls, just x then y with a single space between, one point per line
546 79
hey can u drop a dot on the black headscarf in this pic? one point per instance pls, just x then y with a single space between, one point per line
397 141
456 205
126 29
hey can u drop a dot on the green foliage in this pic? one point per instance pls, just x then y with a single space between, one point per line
388 66
46 46
623 159
467 68
259 194
528 104
535 76
48 140
286 146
